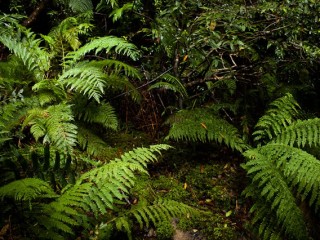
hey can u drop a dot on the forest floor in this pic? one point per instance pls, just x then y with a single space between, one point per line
205 176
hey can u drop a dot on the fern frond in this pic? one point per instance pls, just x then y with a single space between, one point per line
28 49
97 189
27 189
265 222
116 67
272 186
10 114
86 79
93 144
9 22
300 168
49 91
300 133
55 125
201 125
171 83
281 114
117 13
80 6
119 45
66 35
102 114
160 210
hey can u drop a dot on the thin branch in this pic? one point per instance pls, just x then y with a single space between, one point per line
36 12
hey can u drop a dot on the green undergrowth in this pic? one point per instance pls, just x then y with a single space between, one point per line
201 179
202 176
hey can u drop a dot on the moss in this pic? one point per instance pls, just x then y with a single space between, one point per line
214 226
164 230
170 188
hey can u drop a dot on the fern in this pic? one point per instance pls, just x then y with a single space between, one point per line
49 91
93 144
157 212
102 114
54 125
80 6
86 79
96 191
120 68
171 83
116 14
160 210
300 169
281 172
90 78
66 35
300 133
26 189
108 43
201 125
9 115
281 114
29 51
273 187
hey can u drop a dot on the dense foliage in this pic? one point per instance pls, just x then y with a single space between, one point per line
76 75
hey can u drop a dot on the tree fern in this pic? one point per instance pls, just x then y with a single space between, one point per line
201 125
